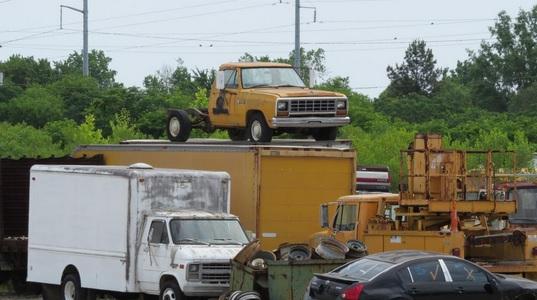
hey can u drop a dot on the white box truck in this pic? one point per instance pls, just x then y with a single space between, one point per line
98 229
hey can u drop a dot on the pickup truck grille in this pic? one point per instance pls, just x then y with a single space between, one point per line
313 106
215 273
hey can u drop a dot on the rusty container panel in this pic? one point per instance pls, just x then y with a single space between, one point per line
15 187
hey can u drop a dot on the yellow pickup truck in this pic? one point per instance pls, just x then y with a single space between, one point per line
256 100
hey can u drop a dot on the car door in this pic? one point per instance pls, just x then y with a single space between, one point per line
155 258
426 280
469 281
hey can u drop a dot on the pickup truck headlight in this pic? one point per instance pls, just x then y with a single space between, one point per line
283 105
193 272
341 104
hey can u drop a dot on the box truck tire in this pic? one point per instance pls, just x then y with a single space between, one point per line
71 289
170 290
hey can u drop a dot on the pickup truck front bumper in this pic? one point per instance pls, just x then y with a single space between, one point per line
309 122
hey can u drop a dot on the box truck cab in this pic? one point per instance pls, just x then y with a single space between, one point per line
97 229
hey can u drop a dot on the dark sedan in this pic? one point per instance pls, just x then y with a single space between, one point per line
405 275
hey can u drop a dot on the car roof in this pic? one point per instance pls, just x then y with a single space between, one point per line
402 256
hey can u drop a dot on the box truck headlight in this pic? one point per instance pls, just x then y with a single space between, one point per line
193 273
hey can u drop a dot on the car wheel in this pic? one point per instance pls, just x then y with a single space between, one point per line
170 290
325 134
71 289
258 130
179 126
236 134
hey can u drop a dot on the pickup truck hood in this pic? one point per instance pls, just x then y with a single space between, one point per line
285 92
214 252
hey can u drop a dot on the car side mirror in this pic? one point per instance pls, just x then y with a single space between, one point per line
324 216
220 80
489 288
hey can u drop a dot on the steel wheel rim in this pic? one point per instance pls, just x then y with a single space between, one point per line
168 294
69 291
174 126
256 130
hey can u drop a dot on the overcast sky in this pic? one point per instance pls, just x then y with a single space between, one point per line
361 37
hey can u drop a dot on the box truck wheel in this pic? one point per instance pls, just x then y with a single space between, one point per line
258 130
179 126
71 289
170 290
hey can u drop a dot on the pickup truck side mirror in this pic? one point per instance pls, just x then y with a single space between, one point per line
220 80
324 216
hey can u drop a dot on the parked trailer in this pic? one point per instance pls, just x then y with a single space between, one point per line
14 195
102 229
276 188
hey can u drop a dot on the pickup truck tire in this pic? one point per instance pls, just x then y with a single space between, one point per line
325 134
258 130
170 290
178 126
71 289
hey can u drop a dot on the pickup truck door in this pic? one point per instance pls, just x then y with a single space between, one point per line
154 255
224 112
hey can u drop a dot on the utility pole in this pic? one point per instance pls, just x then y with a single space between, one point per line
84 12
297 36
298 53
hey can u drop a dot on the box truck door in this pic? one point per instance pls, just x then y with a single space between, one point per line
154 254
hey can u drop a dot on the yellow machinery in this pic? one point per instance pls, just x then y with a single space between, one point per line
444 206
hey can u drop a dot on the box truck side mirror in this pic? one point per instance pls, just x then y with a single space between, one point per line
324 216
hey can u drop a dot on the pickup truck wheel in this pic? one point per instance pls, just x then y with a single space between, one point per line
325 134
71 289
258 130
179 126
236 134
170 290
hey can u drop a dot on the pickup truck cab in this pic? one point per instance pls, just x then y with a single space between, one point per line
256 100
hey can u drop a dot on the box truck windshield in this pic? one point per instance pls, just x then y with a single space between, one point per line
200 231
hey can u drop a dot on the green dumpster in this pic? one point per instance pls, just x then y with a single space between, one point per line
282 279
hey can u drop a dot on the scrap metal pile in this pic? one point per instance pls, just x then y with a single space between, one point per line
258 270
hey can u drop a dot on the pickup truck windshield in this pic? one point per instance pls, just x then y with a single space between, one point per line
207 231
270 77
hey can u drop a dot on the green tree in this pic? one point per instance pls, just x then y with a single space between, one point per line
78 93
36 106
21 140
417 74
25 71
99 67
506 65
122 129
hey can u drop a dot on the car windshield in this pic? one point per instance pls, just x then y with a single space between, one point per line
270 77
363 269
207 231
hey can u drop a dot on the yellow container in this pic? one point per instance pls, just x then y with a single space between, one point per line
276 190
